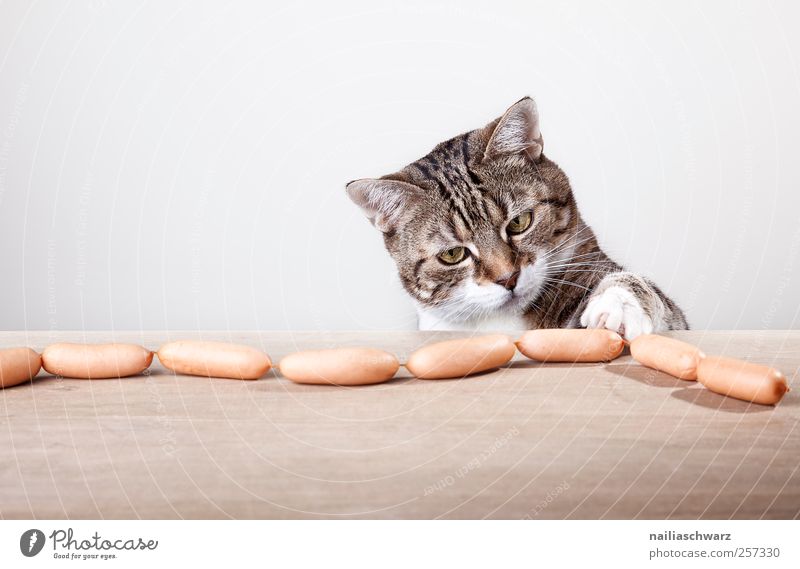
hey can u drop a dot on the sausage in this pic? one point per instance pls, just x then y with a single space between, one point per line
742 380
96 361
18 365
571 345
341 366
668 355
214 359
460 358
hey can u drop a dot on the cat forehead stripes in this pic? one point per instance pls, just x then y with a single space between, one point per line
448 170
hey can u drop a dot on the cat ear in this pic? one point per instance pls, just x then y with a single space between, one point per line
517 132
382 201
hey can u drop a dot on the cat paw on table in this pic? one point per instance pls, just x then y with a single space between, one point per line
617 309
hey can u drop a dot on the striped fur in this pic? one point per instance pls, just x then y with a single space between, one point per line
463 193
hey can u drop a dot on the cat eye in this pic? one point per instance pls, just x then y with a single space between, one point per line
453 256
519 223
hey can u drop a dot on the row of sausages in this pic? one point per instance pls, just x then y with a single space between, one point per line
363 366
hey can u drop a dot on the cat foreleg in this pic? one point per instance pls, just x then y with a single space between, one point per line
631 305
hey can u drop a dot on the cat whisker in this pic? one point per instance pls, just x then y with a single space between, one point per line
463 315
587 255
569 240
562 248
580 264
562 281
593 271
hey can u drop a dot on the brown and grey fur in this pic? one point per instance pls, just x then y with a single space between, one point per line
463 193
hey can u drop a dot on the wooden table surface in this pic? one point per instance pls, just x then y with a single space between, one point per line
531 441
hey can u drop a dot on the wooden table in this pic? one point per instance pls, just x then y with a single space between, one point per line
531 441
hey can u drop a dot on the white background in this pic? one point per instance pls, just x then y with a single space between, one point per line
182 164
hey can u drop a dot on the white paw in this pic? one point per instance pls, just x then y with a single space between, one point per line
617 309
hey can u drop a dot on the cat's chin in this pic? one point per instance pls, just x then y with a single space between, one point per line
498 321
515 304
505 315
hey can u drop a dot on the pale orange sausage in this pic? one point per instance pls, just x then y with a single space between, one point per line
341 366
96 361
18 365
668 355
214 359
571 345
742 380
460 358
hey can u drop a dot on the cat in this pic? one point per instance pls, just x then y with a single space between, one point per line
486 235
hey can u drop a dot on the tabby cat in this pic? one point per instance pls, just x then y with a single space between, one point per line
486 234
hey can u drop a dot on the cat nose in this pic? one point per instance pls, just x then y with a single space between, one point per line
509 281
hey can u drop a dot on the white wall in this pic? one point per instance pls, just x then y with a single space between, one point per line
181 165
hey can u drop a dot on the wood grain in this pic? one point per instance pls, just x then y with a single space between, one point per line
531 441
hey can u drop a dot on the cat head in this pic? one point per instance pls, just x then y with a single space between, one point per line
475 226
